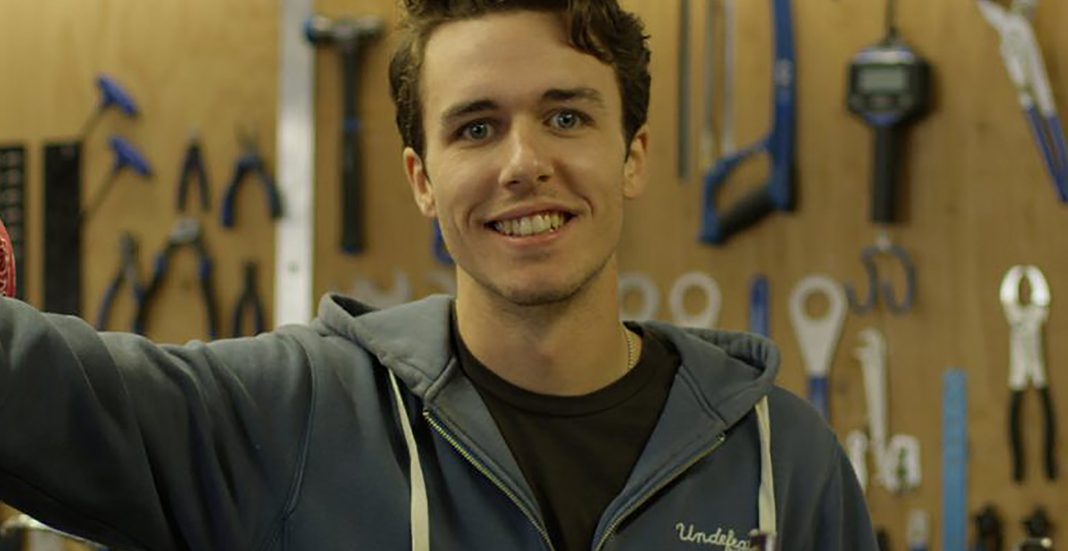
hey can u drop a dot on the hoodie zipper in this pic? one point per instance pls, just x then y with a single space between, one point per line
492 478
664 482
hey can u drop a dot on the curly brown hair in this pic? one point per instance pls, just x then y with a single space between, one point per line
596 27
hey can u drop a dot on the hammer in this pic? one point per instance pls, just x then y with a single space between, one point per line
347 34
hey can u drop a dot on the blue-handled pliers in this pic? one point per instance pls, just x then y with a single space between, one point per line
127 272
1023 60
250 163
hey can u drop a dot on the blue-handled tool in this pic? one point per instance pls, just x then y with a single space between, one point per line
758 306
126 156
248 304
111 95
777 194
954 459
1023 61
250 163
186 233
127 272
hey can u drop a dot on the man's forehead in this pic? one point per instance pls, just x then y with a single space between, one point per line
504 54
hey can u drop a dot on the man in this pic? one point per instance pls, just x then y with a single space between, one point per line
520 416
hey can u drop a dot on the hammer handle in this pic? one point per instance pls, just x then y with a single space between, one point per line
352 241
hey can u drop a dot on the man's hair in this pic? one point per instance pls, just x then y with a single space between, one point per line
596 27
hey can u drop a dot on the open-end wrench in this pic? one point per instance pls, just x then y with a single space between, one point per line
818 338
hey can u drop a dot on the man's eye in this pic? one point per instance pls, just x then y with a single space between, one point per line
475 131
566 120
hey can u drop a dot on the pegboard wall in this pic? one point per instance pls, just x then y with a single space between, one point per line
977 200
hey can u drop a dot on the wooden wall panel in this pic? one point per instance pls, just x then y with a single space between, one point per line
978 200
202 66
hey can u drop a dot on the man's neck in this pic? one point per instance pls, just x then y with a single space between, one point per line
568 349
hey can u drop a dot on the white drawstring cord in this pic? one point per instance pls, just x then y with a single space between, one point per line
418 500
766 495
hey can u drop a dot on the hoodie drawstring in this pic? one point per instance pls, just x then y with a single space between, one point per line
419 509
766 494
420 518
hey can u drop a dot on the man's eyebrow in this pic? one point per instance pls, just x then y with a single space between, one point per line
467 108
567 94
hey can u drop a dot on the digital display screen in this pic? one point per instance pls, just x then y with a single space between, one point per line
882 79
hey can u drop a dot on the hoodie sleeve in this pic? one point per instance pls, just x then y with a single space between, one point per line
142 446
843 522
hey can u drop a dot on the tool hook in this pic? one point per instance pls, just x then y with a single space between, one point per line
885 288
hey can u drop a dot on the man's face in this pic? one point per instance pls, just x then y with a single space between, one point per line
526 166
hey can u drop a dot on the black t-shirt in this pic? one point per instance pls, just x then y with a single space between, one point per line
576 452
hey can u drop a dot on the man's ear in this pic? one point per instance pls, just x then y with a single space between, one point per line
634 177
422 189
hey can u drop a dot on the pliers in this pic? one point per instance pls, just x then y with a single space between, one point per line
127 272
186 233
249 301
193 168
250 163
1023 60
1027 365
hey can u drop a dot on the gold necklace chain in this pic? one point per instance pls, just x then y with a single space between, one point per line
630 348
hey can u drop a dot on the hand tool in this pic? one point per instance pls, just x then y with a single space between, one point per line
954 459
897 461
185 233
128 272
758 306
856 445
7 264
1023 61
883 247
683 91
1039 529
1026 360
818 338
348 34
917 532
889 86
13 212
193 169
708 130
440 252
111 95
371 293
777 193
25 523
642 284
248 303
713 300
988 530
250 163
126 157
61 213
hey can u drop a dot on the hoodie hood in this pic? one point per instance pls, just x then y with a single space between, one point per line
743 366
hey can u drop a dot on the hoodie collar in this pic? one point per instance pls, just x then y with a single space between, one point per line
413 340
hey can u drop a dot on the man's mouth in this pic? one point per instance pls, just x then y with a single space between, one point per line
535 224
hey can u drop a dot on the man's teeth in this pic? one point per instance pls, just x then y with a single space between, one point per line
530 225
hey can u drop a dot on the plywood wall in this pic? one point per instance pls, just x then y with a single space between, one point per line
978 200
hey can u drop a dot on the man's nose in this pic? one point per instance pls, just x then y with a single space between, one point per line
528 161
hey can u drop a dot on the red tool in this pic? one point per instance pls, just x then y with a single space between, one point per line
7 264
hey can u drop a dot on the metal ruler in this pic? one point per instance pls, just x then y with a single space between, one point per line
295 135
13 207
954 460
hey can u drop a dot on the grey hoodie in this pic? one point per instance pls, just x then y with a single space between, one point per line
359 431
